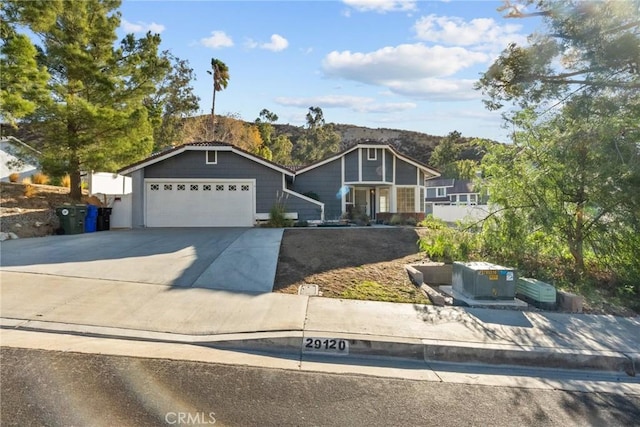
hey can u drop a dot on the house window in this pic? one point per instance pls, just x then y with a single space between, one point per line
212 157
348 197
406 201
473 199
233 188
440 192
168 187
422 200
219 187
453 198
155 187
372 154
194 187
384 200
206 187
244 188
463 198
181 187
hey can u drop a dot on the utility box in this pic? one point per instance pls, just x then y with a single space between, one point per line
485 281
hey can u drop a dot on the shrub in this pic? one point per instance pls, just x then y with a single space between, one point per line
40 178
29 190
411 221
277 217
433 223
301 223
397 220
14 177
26 181
66 181
449 244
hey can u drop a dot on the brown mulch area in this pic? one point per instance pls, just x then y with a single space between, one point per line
337 258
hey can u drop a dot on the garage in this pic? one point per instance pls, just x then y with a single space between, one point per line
199 203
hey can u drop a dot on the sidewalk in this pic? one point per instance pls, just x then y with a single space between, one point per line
280 323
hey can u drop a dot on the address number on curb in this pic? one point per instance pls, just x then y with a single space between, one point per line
325 345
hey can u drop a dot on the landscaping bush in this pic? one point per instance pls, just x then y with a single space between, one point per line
40 179
450 244
29 190
14 177
277 217
397 220
66 181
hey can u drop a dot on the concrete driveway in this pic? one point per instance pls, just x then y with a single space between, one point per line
234 259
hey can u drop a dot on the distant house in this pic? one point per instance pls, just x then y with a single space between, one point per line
212 184
454 199
17 157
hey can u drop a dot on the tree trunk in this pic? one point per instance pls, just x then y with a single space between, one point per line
213 116
76 180
576 241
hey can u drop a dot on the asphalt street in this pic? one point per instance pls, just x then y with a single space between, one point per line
63 388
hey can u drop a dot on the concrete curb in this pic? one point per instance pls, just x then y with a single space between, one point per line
542 357
290 344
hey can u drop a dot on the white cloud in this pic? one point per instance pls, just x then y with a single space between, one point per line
431 89
217 40
403 62
142 27
382 6
276 44
456 31
355 103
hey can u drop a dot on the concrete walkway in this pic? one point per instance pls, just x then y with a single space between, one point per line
282 323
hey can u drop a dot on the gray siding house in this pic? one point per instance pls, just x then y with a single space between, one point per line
212 185
371 178
215 184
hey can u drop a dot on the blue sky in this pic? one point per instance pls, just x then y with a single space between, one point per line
376 63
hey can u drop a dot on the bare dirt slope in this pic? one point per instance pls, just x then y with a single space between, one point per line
341 258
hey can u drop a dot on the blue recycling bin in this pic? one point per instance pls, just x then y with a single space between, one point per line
91 219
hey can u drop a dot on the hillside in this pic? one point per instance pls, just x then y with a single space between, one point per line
414 144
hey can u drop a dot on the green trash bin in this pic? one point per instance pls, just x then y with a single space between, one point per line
71 218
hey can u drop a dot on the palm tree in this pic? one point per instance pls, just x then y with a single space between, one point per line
220 73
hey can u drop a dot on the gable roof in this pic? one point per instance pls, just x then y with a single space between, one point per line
398 154
201 146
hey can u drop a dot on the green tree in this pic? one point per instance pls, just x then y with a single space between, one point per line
220 73
587 44
96 118
278 147
446 153
568 185
319 140
24 82
171 103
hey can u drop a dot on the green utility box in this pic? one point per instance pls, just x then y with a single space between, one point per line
72 218
538 293
482 280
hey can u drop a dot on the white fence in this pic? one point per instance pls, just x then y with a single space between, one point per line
455 213
108 183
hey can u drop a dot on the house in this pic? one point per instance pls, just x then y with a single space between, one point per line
445 192
17 157
454 200
210 184
374 179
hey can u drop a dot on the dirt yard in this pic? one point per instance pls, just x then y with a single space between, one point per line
351 260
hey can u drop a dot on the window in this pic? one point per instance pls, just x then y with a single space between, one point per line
181 187
463 198
421 200
212 157
473 199
453 198
440 192
244 188
233 188
384 200
168 187
194 187
155 187
348 197
406 200
206 187
219 187
372 154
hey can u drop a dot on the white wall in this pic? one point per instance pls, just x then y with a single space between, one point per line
121 211
8 154
109 183
455 213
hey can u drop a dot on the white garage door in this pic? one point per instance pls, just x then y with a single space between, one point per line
199 203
